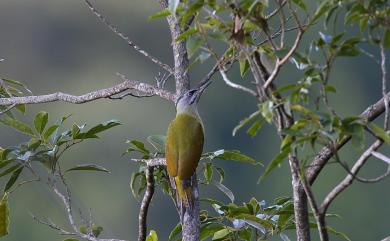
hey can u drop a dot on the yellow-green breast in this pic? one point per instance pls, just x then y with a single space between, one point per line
184 145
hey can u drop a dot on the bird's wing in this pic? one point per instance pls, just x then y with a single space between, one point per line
191 145
171 150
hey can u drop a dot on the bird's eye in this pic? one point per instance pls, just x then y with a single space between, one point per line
191 92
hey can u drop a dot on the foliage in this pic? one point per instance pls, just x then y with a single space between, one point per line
252 35
46 145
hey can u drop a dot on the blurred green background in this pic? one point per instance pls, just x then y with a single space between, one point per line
54 45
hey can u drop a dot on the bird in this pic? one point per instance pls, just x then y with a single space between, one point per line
184 145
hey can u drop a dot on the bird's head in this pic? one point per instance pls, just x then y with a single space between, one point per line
189 100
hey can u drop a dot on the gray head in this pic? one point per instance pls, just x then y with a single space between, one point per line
191 97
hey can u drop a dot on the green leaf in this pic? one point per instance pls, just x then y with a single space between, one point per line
14 177
193 44
50 132
172 6
152 236
357 134
83 229
275 162
21 108
71 239
158 142
221 234
4 163
9 170
255 221
176 230
338 234
221 173
17 83
162 13
208 230
208 172
255 127
133 178
17 125
96 230
186 34
91 133
4 216
244 67
245 121
245 234
378 131
386 39
266 109
235 156
137 146
323 8
40 121
88 167
224 189
300 4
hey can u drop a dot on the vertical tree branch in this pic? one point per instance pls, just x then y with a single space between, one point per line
384 88
143 211
300 202
179 53
190 220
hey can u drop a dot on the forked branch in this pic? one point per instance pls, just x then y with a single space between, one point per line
127 84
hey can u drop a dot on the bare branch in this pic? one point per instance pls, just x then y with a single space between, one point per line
143 211
51 225
180 55
152 162
234 85
323 156
67 202
273 13
380 156
379 178
279 63
319 217
350 177
115 30
91 96
384 89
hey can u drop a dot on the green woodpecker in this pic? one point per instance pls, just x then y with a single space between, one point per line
184 144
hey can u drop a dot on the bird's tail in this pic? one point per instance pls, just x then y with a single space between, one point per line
184 192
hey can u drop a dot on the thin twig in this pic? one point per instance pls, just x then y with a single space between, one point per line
279 63
282 20
384 89
152 162
52 225
273 13
67 202
382 157
7 109
379 178
115 30
349 178
323 156
234 85
91 96
143 211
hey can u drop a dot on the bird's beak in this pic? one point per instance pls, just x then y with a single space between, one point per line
201 88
